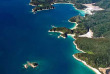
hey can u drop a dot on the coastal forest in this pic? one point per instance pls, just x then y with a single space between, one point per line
97 48
41 4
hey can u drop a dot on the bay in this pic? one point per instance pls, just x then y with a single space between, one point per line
24 37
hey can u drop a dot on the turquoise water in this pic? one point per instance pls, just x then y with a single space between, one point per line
24 37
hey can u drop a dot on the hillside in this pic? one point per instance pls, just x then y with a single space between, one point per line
96 48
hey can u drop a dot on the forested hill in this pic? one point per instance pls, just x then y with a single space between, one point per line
102 3
86 1
96 48
100 21
36 2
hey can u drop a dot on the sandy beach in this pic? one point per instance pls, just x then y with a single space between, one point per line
74 35
94 69
78 48
90 8
74 26
64 3
56 31
89 34
105 70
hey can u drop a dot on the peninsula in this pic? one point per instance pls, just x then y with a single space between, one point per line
63 30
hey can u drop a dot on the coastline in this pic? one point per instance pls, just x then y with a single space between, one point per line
79 10
41 10
82 11
57 32
90 67
72 35
76 24
34 11
64 3
94 69
77 47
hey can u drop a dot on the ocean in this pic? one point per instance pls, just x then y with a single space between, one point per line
24 37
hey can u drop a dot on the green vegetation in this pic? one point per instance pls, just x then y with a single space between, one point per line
64 35
104 4
82 29
41 4
79 6
76 19
43 7
86 1
97 51
64 30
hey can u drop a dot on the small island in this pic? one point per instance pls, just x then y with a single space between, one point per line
41 5
30 64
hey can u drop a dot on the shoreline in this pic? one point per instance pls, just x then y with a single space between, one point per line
40 10
76 24
77 47
82 11
56 31
90 67
63 3
94 69
72 35
47 9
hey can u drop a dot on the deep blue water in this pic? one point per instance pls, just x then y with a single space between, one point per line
24 37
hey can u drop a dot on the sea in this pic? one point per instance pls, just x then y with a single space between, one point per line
24 37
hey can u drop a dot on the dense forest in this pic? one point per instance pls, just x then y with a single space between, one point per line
79 6
41 4
86 1
38 2
97 51
97 48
